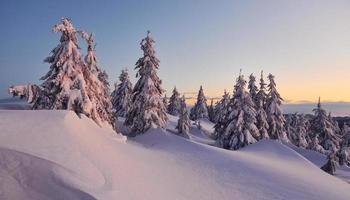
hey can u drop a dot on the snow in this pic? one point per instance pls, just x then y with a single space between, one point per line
57 155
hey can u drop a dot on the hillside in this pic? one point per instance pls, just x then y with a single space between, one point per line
56 155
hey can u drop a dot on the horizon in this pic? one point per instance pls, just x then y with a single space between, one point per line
306 47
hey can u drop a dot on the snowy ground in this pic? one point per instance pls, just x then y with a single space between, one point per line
56 155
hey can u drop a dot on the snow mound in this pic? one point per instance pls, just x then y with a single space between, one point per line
82 160
24 176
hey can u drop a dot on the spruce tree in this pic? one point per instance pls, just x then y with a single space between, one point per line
70 84
121 96
261 116
290 126
346 135
301 131
199 110
174 106
96 92
103 77
211 111
221 113
274 113
331 164
184 122
253 89
148 110
240 129
165 101
322 127
314 145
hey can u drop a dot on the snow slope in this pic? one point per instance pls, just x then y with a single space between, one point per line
56 155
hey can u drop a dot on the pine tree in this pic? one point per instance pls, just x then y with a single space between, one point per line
314 145
290 126
301 131
174 106
261 116
331 164
274 113
211 111
147 108
199 110
184 122
344 154
253 89
240 129
70 84
296 127
96 91
121 96
346 135
165 101
322 127
103 77
221 113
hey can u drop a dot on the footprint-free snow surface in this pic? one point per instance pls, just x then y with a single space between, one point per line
57 155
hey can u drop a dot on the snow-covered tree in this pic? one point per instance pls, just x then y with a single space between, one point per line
70 84
314 145
199 110
346 135
240 129
331 164
184 122
274 113
121 96
344 155
253 89
290 126
221 113
296 127
97 91
165 101
174 106
261 116
261 96
103 77
301 131
211 111
147 108
322 127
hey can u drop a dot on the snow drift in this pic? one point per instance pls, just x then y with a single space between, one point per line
57 155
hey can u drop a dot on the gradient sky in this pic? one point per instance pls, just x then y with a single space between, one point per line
305 44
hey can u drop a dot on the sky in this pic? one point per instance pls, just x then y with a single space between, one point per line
305 44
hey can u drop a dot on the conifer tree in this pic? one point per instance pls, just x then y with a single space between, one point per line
221 113
314 145
274 113
199 110
165 101
121 96
148 110
322 127
344 154
184 122
240 129
96 91
174 106
261 116
253 89
211 111
331 164
301 131
346 135
70 84
103 77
